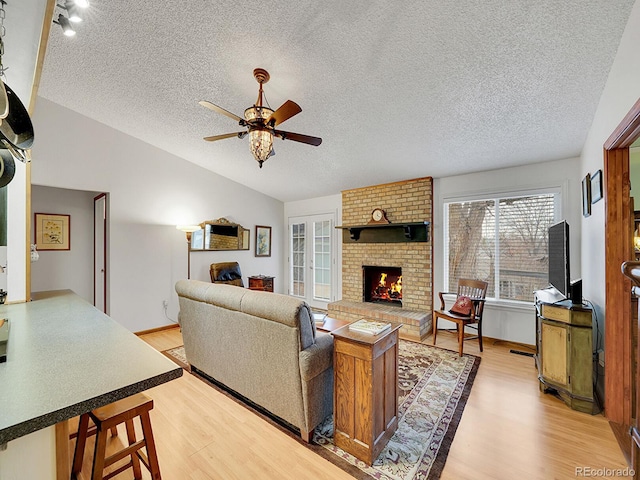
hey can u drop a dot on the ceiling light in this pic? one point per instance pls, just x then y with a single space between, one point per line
81 3
66 25
260 139
72 8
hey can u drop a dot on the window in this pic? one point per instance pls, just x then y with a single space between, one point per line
502 241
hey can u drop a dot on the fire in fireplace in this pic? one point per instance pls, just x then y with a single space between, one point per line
382 284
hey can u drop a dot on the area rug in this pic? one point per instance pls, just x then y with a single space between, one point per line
434 385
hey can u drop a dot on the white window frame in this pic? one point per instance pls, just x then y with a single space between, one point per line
557 191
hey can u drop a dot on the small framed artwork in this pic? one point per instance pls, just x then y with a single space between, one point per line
586 196
596 187
52 231
263 241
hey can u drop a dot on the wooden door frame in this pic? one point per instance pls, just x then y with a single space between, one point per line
618 245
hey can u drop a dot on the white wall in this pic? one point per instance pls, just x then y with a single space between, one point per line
621 91
505 321
72 268
151 191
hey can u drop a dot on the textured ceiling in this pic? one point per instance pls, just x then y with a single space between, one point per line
396 90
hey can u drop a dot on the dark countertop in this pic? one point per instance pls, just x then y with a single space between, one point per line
64 358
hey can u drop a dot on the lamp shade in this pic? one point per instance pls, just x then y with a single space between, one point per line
188 228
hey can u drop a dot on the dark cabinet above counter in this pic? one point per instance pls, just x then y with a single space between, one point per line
386 233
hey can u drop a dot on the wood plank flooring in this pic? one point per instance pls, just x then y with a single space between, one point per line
509 430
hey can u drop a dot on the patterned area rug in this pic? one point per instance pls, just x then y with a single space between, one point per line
434 386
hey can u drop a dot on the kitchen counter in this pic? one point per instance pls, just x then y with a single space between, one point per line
64 358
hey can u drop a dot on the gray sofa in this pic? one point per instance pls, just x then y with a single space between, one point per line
263 346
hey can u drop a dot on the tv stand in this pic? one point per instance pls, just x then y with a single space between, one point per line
564 358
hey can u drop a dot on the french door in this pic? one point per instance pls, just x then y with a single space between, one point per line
312 259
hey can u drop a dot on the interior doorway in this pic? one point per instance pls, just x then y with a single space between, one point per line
619 227
312 259
100 214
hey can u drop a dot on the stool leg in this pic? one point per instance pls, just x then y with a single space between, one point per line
81 440
99 455
154 466
135 461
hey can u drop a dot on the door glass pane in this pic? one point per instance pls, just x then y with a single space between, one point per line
297 260
322 260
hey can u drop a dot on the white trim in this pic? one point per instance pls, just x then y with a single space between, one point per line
502 304
496 196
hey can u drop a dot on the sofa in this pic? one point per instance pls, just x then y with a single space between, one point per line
261 345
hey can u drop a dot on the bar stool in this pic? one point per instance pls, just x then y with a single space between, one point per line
107 418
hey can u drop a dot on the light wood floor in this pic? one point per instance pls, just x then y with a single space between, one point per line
509 430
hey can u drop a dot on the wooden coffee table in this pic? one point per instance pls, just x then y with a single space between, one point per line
365 393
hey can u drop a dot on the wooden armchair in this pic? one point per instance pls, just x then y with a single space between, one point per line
476 290
226 272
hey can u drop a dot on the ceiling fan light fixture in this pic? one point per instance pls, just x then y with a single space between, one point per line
261 144
82 3
260 139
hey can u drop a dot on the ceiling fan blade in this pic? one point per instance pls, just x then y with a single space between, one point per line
287 110
298 137
221 110
225 135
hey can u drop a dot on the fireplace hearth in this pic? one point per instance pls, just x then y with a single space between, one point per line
382 284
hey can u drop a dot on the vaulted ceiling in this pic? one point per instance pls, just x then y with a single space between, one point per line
396 90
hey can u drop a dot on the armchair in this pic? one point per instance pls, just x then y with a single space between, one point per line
476 292
226 272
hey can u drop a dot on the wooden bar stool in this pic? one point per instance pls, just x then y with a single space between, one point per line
107 418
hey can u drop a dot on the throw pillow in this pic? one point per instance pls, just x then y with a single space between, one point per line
462 306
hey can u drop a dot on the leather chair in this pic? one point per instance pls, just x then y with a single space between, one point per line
226 272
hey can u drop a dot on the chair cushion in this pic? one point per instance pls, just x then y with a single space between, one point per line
462 306
227 274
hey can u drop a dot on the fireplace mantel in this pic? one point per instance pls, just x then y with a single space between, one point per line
386 233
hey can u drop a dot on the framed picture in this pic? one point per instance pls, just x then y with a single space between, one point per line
586 196
596 186
263 241
52 231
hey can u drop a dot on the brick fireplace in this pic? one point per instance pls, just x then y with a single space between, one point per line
403 202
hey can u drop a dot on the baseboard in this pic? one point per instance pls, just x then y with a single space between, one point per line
158 329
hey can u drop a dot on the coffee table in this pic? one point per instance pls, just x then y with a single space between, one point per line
365 393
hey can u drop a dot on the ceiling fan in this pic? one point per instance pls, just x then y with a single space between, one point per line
261 122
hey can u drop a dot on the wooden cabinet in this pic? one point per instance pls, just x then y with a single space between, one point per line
565 358
365 394
261 282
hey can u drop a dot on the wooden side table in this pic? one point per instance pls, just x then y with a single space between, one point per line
261 282
365 394
330 324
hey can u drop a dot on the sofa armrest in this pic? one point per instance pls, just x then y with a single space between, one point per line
317 358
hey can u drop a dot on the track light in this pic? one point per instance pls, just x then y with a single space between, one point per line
72 9
66 25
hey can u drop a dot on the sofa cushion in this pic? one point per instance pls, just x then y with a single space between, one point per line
282 309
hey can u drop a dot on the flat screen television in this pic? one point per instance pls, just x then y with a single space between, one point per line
559 270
